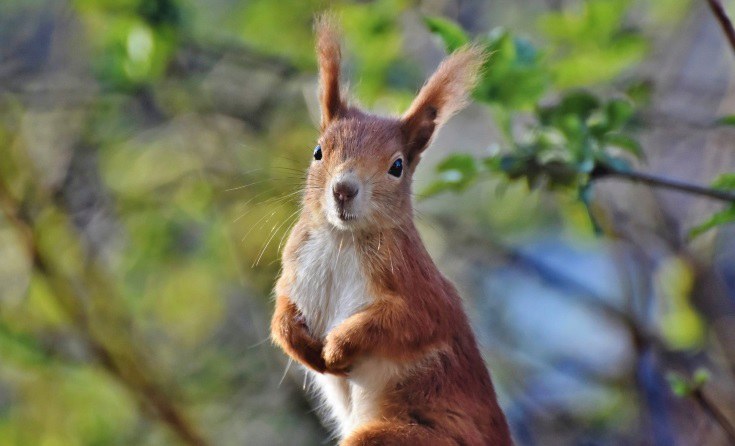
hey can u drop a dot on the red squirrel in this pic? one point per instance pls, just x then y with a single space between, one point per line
359 301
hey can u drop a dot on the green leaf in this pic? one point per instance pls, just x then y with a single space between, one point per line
724 181
591 44
619 112
459 170
701 377
727 120
493 163
624 142
579 103
451 34
683 386
587 66
679 384
639 92
596 22
720 218
516 166
512 76
456 173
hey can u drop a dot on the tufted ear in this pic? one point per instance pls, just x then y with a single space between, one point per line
329 56
444 94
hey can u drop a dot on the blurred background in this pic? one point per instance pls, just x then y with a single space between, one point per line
151 154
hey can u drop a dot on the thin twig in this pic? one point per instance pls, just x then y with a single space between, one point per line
602 171
725 23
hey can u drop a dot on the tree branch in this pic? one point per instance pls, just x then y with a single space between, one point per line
603 171
715 412
721 15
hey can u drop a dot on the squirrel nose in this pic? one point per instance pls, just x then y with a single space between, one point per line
344 191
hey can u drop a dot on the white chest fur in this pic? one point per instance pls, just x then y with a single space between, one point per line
330 286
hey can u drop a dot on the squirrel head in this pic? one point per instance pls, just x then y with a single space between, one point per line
362 168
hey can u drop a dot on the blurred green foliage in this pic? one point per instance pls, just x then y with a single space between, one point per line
727 120
133 40
682 328
591 45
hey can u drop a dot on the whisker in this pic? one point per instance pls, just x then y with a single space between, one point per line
259 220
285 371
286 232
259 343
246 185
339 250
246 203
293 160
265 180
272 234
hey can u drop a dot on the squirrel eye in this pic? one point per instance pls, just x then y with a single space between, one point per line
396 168
318 152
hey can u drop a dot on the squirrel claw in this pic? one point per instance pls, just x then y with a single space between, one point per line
338 357
300 319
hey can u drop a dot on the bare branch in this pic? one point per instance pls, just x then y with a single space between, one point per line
715 412
721 15
604 171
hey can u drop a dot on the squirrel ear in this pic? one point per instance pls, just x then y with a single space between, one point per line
444 94
329 56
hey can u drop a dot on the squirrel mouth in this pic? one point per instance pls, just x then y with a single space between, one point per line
346 216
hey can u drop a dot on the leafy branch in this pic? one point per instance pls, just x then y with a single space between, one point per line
694 388
565 143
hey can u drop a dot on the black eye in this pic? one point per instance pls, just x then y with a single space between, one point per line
318 152
397 168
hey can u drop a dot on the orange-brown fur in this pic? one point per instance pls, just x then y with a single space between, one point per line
440 392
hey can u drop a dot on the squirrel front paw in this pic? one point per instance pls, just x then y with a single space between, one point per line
338 355
295 338
308 348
